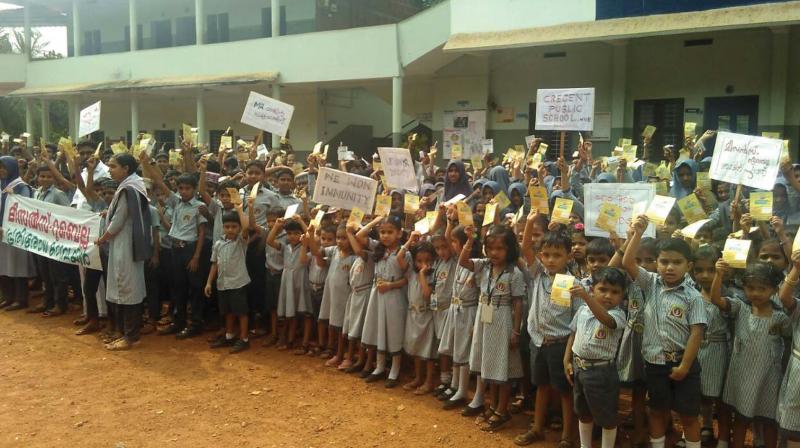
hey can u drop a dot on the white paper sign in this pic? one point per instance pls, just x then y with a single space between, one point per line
89 120
265 113
336 188
54 231
291 211
565 109
487 146
344 153
399 168
746 159
624 195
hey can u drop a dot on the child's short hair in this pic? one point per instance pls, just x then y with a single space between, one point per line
162 155
231 216
283 171
212 166
187 179
557 239
422 247
600 246
230 183
649 245
675 245
509 239
762 272
612 276
707 253
276 212
293 226
254 163
329 229
42 168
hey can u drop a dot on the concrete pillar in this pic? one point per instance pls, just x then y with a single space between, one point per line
201 118
27 34
133 24
779 71
75 113
200 22
134 117
276 94
76 28
276 18
29 121
397 109
45 119
619 71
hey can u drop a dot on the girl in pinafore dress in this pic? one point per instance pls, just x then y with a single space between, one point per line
789 396
495 344
444 274
361 277
457 334
754 375
339 259
386 313
713 354
419 333
630 364
293 297
16 265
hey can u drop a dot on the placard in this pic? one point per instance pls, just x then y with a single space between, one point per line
383 205
336 188
464 214
565 109
746 159
89 120
398 167
735 252
54 231
691 208
691 230
761 205
561 210
659 209
560 294
626 196
267 114
539 200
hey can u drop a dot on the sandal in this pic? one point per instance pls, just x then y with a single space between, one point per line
83 320
119 345
324 354
302 350
483 418
529 437
496 421
563 443
53 312
88 329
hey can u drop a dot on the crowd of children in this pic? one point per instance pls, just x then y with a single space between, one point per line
489 287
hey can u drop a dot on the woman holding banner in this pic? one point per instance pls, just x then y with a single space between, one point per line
16 265
129 236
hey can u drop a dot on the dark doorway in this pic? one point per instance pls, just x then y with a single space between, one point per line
165 137
667 116
737 114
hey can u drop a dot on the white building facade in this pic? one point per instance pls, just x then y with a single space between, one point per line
364 72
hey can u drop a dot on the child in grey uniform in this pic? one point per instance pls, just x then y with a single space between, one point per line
589 359
362 275
754 375
444 275
788 414
419 340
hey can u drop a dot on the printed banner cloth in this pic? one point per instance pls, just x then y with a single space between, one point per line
54 231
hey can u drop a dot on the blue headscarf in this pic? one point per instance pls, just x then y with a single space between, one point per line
491 184
462 187
519 187
606 178
500 175
678 191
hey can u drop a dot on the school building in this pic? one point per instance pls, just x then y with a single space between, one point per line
364 72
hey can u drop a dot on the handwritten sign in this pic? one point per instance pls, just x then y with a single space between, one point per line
398 166
265 113
565 109
336 188
626 196
89 120
54 231
746 159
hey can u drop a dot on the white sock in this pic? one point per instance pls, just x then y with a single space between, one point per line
454 381
609 437
477 400
658 443
463 383
724 444
585 432
394 372
692 444
380 364
229 336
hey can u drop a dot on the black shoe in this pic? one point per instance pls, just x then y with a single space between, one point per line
5 303
469 411
373 378
364 374
353 369
452 404
168 330
221 341
188 332
440 389
444 396
240 346
390 383
16 306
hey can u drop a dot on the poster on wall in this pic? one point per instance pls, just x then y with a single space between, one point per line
466 128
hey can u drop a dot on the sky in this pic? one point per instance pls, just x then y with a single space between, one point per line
55 36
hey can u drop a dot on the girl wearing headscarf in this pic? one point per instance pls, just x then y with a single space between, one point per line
456 181
16 265
516 194
500 175
129 237
684 179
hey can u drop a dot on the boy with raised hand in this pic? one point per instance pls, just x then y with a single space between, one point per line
589 359
674 322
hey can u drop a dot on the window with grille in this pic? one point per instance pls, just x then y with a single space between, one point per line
667 116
